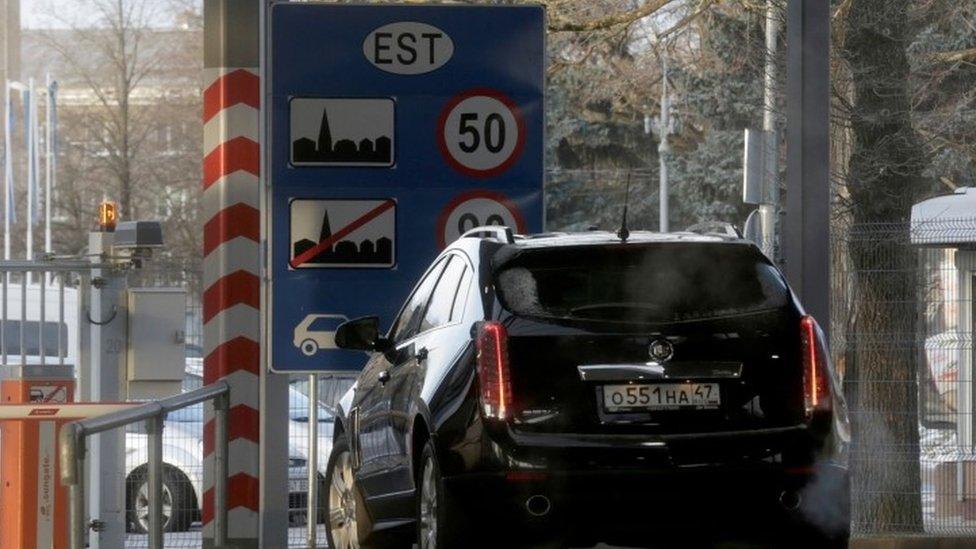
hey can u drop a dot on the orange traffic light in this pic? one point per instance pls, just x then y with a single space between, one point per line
108 216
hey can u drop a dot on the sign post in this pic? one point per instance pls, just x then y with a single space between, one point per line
391 130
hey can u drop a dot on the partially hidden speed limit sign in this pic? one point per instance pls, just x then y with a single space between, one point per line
481 132
477 208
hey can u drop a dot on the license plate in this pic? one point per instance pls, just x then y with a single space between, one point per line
661 396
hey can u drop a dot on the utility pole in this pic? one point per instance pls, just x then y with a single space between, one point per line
806 226
771 134
29 114
10 52
10 40
664 127
50 163
8 172
107 332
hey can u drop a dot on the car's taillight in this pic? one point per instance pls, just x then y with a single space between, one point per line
816 380
493 373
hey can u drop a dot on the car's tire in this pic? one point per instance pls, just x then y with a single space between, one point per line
309 347
179 501
346 520
439 522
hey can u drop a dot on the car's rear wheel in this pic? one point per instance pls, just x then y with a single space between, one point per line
438 524
179 505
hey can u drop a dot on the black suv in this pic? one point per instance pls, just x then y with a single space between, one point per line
655 389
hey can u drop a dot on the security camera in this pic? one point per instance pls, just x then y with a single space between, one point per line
138 239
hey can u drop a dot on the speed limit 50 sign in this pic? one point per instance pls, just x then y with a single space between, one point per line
481 132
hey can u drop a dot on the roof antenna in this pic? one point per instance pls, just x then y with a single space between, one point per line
624 232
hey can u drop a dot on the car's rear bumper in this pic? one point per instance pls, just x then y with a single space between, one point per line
506 448
617 504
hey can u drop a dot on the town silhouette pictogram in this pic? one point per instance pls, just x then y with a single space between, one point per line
326 150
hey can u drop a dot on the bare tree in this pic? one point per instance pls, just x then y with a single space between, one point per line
131 116
112 60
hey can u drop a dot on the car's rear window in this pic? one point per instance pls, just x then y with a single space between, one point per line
662 282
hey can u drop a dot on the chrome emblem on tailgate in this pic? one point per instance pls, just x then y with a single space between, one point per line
661 350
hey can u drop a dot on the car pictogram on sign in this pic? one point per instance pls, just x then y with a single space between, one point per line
481 132
317 332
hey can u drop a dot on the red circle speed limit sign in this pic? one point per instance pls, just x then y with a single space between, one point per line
481 132
477 208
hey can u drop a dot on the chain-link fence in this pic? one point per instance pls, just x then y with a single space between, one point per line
901 335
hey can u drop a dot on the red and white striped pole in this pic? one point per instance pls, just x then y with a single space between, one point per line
232 258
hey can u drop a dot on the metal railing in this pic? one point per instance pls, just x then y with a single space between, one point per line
72 449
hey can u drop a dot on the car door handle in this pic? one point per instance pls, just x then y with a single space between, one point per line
421 354
384 376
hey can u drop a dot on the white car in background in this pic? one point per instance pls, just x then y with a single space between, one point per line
183 462
60 335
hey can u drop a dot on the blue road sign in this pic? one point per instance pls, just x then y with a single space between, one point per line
392 130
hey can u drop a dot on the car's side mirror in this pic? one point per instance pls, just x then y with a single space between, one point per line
361 334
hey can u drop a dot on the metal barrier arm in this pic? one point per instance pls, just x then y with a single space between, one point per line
72 449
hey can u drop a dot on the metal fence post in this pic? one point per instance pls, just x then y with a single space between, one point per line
221 404
154 428
313 460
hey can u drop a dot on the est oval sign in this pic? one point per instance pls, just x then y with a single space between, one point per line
408 48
